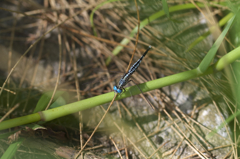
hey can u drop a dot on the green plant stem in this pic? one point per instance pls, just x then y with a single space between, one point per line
54 113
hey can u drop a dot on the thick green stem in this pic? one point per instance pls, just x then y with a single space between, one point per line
106 98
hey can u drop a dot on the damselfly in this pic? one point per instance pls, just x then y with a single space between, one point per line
125 79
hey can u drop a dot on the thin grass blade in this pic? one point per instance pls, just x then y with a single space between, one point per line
212 52
12 149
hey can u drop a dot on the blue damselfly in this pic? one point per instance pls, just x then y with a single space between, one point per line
125 79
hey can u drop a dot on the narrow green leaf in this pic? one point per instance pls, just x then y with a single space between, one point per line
10 152
59 102
44 100
212 52
165 7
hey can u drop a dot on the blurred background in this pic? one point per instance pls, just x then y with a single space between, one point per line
83 48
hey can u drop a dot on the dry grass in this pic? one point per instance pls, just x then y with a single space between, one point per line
65 55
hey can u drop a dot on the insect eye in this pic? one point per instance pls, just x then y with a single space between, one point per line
115 88
119 91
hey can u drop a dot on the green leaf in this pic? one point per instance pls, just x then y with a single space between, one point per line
165 7
10 152
212 52
59 102
44 100
233 6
